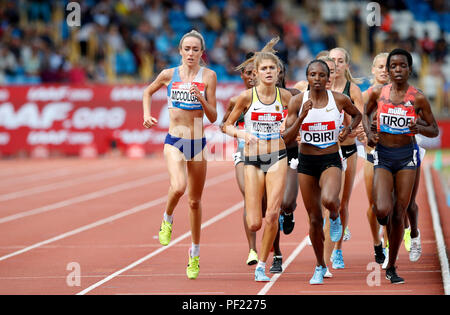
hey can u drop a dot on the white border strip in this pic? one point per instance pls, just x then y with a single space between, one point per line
445 270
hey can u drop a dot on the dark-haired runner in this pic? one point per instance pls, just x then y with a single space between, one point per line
398 107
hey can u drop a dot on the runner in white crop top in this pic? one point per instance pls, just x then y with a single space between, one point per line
321 126
264 120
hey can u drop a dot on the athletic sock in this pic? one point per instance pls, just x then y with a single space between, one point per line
168 218
261 264
195 250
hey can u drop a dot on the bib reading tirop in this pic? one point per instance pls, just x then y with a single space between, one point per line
395 119
321 125
178 92
264 120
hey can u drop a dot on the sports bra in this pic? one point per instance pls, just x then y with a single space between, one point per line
321 125
264 120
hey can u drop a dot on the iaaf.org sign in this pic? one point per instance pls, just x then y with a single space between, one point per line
65 118
31 116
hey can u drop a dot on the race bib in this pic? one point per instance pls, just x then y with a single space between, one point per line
181 96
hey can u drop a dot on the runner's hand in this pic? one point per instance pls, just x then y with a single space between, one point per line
150 122
414 127
250 139
372 139
305 109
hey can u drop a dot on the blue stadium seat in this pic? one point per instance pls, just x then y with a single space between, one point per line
125 62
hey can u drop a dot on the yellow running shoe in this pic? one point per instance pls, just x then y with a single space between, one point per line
252 257
165 233
193 267
407 239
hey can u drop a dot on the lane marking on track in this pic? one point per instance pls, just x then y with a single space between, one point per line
211 221
440 242
359 176
49 173
136 209
62 184
86 197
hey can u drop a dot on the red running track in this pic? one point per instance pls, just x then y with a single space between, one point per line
99 219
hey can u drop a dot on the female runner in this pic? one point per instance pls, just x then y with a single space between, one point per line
318 113
265 152
398 107
191 93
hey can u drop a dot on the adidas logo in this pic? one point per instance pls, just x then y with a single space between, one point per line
411 163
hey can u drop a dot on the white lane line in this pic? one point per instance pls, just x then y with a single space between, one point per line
218 217
440 242
294 254
136 209
86 197
52 173
61 184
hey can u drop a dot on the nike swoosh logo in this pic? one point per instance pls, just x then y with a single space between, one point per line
258 108
329 109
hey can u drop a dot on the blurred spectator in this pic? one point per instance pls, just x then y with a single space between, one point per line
427 44
249 41
8 63
329 38
115 39
77 73
440 48
195 9
213 19
155 14
412 38
31 57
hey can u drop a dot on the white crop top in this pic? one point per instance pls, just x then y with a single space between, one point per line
321 126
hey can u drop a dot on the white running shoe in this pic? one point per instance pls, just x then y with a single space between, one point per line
416 249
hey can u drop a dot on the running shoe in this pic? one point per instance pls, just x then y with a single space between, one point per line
347 234
193 267
252 257
328 274
288 223
407 239
165 233
260 275
335 229
338 259
392 275
277 264
416 249
318 275
379 254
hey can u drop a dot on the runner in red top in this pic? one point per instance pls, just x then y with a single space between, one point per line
395 159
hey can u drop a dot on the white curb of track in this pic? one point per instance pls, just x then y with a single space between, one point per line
445 270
